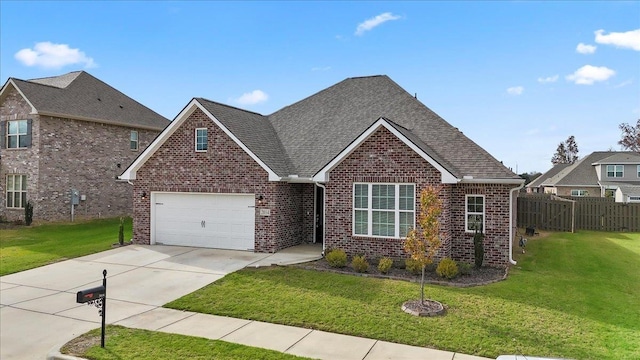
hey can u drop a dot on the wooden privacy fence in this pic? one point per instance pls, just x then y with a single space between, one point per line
561 214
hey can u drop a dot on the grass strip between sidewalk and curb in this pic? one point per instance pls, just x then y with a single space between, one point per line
135 344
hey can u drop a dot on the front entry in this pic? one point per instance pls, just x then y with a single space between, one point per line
319 220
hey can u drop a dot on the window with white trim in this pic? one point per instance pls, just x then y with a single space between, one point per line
17 134
16 191
383 210
474 213
577 192
133 140
201 139
615 171
634 198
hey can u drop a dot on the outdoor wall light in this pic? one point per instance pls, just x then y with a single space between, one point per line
144 195
260 198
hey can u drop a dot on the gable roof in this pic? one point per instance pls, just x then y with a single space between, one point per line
582 172
302 142
315 130
79 95
547 177
620 158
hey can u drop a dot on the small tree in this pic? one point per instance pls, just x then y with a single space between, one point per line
423 245
630 136
28 213
121 232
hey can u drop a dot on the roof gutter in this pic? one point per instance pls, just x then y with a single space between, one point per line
511 192
471 180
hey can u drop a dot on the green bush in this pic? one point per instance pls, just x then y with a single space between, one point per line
28 213
478 239
121 232
359 263
447 268
337 258
464 268
413 266
384 265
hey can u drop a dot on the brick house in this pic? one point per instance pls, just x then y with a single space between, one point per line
343 167
69 132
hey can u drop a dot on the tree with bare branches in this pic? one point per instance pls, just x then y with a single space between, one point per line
630 136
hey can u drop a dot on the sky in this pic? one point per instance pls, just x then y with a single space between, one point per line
516 77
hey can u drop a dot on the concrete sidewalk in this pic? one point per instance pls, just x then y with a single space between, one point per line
287 339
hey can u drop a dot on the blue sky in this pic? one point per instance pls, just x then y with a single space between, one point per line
516 77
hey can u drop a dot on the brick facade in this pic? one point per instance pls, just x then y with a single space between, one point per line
223 168
383 158
66 154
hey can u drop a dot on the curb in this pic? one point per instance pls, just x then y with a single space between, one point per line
55 354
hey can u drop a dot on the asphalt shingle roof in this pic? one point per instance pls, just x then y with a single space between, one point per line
254 131
80 95
546 177
582 172
315 130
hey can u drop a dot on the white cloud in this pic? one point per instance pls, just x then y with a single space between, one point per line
588 74
585 49
54 56
515 90
629 39
375 21
254 97
549 79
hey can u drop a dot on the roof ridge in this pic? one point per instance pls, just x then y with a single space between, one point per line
230 106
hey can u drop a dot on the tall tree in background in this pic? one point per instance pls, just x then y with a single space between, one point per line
567 152
630 136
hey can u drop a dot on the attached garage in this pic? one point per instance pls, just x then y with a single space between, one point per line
221 221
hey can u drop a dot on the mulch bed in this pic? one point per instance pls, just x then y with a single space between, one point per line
476 277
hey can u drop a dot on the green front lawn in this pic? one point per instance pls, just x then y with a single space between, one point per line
571 295
122 343
30 247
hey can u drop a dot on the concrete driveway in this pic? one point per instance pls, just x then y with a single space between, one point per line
38 308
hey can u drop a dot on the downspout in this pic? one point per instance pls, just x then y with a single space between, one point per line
324 214
511 192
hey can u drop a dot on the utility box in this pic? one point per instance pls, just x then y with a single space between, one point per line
75 197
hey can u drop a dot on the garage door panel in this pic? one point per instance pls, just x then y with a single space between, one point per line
204 220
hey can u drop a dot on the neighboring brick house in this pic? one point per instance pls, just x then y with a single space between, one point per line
69 132
614 174
343 167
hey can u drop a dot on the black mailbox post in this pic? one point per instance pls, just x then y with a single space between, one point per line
96 296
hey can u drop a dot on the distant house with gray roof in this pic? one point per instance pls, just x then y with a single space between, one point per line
599 174
343 167
66 132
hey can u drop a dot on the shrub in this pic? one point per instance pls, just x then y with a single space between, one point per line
359 263
464 268
385 265
28 213
447 268
413 266
121 232
337 258
478 247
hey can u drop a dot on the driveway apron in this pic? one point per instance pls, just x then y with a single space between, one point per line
38 308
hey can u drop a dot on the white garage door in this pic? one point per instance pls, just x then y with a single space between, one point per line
221 221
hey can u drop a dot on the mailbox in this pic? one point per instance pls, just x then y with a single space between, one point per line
95 293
